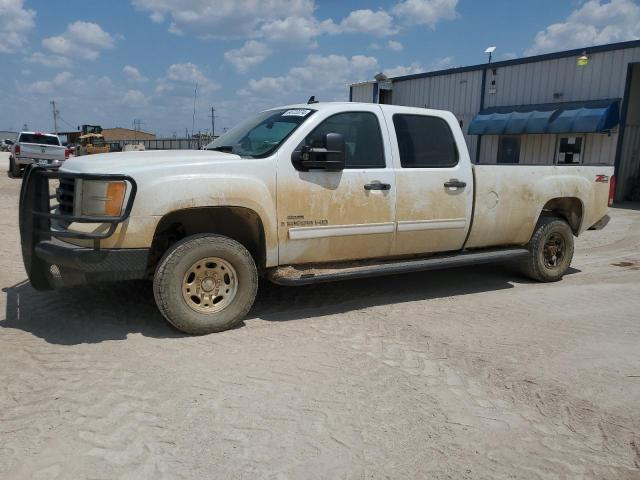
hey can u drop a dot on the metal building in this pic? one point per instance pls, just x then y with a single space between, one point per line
575 107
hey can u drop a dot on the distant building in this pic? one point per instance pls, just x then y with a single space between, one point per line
118 133
4 135
575 107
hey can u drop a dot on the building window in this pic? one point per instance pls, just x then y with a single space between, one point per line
509 149
569 151
425 142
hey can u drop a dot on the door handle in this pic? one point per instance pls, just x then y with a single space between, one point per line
377 186
453 183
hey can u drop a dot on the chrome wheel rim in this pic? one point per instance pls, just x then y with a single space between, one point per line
210 285
553 250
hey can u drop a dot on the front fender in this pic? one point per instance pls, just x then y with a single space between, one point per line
165 195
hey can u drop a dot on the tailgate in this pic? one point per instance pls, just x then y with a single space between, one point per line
42 152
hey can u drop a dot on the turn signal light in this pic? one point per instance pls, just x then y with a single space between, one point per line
115 198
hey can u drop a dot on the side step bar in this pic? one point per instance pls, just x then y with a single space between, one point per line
307 274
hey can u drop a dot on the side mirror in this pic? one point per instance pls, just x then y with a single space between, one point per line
329 158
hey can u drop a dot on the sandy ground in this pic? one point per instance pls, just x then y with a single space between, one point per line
468 373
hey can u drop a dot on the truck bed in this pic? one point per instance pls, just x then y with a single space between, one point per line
509 198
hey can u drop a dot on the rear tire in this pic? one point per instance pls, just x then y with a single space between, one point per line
550 250
205 283
14 168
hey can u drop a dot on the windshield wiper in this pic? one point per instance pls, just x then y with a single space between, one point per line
223 148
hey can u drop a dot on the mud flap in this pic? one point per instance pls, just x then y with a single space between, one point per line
34 197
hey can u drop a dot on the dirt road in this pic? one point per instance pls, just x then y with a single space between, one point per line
468 373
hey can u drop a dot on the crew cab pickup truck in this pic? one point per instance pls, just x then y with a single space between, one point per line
300 194
43 149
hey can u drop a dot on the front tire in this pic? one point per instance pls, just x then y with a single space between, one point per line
205 283
550 250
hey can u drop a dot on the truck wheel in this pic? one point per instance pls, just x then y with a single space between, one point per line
550 250
14 168
205 283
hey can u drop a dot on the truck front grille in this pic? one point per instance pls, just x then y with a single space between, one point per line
65 195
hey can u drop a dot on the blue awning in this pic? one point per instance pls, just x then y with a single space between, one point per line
595 116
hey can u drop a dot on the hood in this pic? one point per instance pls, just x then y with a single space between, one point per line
130 162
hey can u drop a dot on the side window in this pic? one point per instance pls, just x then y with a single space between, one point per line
425 142
362 138
509 149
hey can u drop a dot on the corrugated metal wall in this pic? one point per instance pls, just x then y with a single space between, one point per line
545 81
362 92
604 77
458 93
541 149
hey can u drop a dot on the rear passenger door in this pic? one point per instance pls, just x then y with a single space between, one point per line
434 181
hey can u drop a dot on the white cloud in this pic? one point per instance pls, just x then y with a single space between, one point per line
326 75
134 74
15 23
442 63
250 54
395 45
402 70
135 98
181 78
367 21
49 60
223 18
425 12
83 40
295 30
61 80
594 23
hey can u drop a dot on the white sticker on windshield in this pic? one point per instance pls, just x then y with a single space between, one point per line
301 112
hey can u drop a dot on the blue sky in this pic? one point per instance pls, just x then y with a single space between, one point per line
110 62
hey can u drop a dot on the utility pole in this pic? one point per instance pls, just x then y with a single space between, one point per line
137 126
193 121
55 116
213 123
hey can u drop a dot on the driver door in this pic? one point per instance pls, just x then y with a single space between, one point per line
331 216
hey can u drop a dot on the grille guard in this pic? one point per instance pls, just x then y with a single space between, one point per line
35 215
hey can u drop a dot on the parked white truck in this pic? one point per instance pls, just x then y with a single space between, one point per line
301 194
42 149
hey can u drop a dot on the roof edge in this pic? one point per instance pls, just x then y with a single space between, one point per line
519 61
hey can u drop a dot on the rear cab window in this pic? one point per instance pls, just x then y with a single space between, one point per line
425 141
39 138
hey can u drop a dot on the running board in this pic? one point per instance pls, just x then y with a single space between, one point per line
293 275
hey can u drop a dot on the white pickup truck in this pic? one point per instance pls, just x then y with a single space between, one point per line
301 194
42 149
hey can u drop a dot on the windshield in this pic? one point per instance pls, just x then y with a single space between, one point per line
261 135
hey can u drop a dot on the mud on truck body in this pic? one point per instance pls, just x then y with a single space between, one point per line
300 194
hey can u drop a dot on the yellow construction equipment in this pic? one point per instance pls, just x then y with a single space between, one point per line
92 143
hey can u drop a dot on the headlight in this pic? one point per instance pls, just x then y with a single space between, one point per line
100 198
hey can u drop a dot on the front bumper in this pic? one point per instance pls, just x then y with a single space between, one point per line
70 265
51 263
